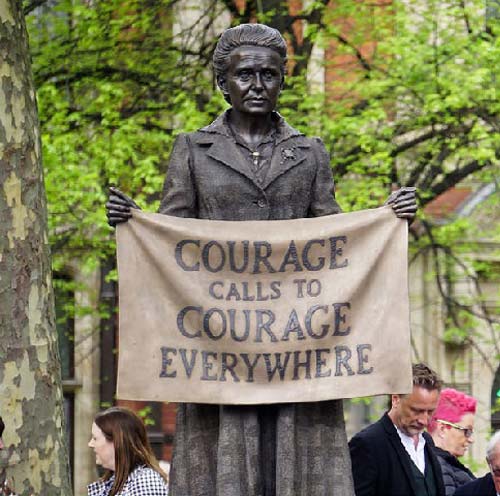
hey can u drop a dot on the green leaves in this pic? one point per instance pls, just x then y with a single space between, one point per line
114 90
409 97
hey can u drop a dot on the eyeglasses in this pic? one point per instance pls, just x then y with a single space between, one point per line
467 432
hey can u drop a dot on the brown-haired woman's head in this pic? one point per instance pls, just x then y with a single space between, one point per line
120 442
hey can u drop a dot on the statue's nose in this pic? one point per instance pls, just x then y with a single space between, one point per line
257 82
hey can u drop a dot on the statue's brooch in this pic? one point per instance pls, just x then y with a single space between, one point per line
287 154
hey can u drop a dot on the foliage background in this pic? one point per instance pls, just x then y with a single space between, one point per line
411 99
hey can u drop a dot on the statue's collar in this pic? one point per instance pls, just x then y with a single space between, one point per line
221 127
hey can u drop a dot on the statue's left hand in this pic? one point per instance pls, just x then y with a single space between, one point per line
404 203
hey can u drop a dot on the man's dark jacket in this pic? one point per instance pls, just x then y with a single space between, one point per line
483 486
382 467
294 449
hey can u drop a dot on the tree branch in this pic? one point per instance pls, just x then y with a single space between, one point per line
466 17
63 77
32 5
450 302
435 167
454 177
359 56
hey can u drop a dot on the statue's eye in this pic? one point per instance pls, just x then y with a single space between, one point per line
268 75
244 75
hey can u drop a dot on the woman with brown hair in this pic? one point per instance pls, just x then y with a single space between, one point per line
121 447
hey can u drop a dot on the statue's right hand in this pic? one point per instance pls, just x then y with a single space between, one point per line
118 207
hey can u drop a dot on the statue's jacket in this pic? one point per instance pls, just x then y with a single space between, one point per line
255 450
209 178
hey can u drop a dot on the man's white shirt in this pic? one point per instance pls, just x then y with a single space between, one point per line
417 454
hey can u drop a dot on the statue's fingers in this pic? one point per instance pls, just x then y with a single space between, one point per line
116 215
120 201
406 215
120 207
119 214
113 220
407 189
406 208
117 192
123 197
406 205
407 196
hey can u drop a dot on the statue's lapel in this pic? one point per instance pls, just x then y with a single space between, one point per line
286 156
224 150
291 150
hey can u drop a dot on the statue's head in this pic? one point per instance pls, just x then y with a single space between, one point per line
247 35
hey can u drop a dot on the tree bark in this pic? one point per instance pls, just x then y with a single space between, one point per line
35 457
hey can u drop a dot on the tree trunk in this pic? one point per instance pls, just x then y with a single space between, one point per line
35 457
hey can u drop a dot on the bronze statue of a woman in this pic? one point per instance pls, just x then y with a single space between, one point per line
249 164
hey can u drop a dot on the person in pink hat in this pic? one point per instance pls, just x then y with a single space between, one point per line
452 430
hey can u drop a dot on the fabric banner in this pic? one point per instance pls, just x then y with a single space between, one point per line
263 311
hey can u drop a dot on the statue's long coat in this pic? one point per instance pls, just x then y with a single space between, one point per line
297 449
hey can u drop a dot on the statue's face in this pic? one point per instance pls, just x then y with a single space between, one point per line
253 79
